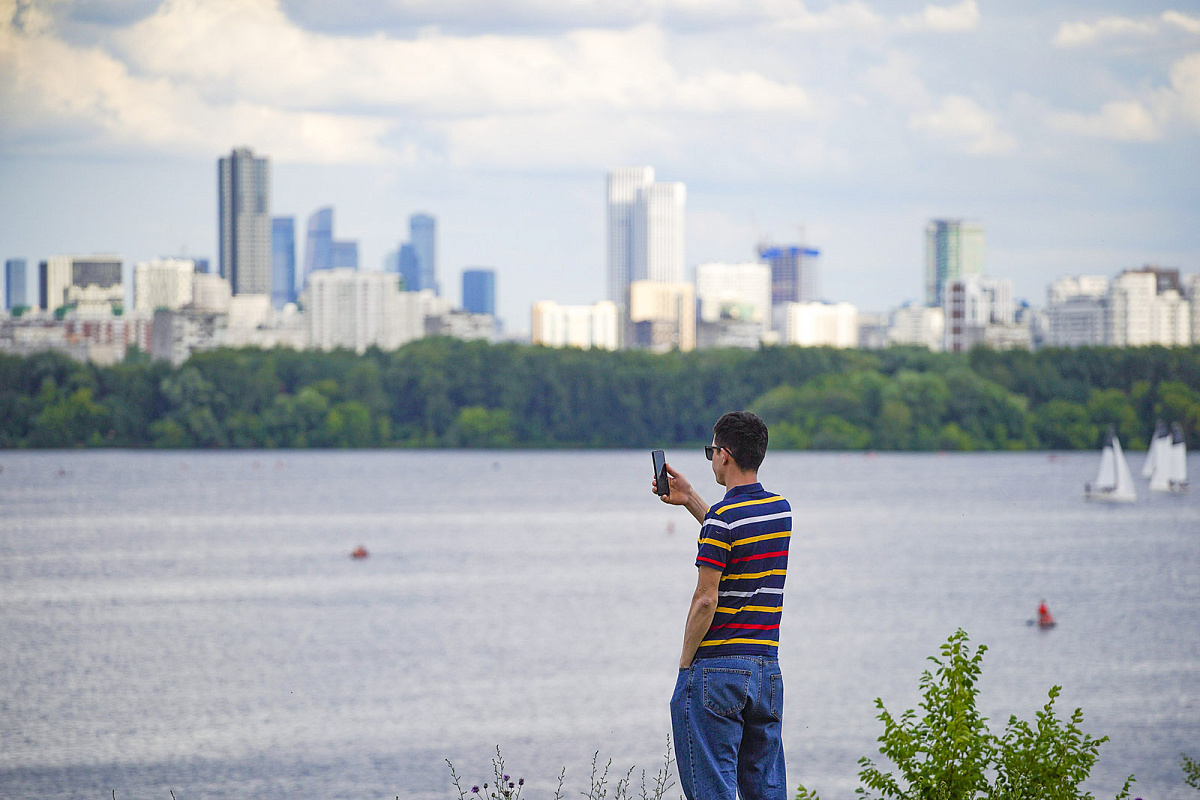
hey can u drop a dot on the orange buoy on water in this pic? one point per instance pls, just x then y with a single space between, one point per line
359 552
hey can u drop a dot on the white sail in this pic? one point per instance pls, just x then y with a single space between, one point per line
1124 490
1160 477
1160 437
1114 481
1177 463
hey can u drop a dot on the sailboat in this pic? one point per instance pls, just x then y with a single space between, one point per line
1161 437
1170 464
1114 481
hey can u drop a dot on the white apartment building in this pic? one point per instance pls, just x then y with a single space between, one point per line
1145 307
586 327
662 316
354 310
913 324
1192 291
973 304
817 324
211 293
91 282
734 304
1075 311
163 283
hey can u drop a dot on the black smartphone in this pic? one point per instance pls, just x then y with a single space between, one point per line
660 472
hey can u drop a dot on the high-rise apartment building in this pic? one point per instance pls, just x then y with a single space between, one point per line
662 316
625 185
658 233
244 191
734 304
817 324
974 305
793 272
164 283
1075 311
919 325
953 250
283 261
16 276
586 327
479 291
1145 306
352 309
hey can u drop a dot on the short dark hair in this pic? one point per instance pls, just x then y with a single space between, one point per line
744 435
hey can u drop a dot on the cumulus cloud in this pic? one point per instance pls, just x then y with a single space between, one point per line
1120 120
1080 34
963 123
944 19
198 74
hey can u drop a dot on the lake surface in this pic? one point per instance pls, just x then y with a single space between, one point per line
192 622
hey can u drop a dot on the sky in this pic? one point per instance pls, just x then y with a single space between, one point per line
1070 130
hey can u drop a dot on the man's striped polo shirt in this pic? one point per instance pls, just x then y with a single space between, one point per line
746 537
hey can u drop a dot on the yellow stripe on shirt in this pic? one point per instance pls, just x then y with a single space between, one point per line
715 543
739 641
745 575
763 538
767 609
748 503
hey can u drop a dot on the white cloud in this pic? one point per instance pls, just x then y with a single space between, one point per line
1183 98
1079 34
944 19
1120 120
962 122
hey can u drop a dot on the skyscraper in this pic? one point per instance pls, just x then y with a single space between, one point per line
318 244
409 267
15 277
624 186
422 234
479 291
283 261
244 189
658 233
345 255
953 250
793 272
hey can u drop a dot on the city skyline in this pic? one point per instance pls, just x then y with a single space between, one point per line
1074 141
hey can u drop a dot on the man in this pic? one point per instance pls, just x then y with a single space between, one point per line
727 709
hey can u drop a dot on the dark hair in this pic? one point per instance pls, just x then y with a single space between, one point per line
744 435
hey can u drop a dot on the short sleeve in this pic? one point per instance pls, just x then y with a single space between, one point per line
715 543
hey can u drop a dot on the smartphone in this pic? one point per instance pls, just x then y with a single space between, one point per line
660 472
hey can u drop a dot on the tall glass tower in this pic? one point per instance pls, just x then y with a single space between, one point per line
318 243
479 291
953 250
16 273
283 261
624 186
244 189
422 234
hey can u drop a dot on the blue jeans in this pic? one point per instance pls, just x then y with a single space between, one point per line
727 719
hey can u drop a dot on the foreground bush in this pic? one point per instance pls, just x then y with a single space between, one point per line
949 753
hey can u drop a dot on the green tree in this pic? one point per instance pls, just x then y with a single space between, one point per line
481 427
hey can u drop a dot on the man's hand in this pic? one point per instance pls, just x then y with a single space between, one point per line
681 494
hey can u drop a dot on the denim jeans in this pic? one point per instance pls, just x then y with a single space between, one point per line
727 719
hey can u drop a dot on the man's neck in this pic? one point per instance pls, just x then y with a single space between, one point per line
732 481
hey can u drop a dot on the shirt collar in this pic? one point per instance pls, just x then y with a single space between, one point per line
746 488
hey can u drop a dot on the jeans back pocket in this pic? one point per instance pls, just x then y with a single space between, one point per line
726 691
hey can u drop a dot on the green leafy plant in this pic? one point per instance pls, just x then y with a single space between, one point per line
948 752
1191 771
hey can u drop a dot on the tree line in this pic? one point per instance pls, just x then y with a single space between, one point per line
441 392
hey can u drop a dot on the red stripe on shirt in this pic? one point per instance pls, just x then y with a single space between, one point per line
758 557
709 560
744 627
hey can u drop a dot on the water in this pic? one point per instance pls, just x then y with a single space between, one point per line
191 621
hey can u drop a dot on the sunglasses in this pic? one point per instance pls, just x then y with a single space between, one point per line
709 449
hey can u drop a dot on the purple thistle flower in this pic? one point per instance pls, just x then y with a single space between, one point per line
510 784
520 782
505 777
474 790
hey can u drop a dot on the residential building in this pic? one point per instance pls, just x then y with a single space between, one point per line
355 310
479 291
793 272
163 283
1075 311
92 284
658 233
462 324
98 339
1144 307
211 293
733 304
973 304
953 250
586 327
873 330
624 186
1191 286
16 276
244 191
662 316
283 261
817 324
917 325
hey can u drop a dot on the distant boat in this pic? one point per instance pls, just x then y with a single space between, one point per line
1114 481
1170 464
1161 437
359 552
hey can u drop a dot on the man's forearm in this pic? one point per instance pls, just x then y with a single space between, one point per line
699 620
696 505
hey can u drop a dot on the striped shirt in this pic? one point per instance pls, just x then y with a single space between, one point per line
746 537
